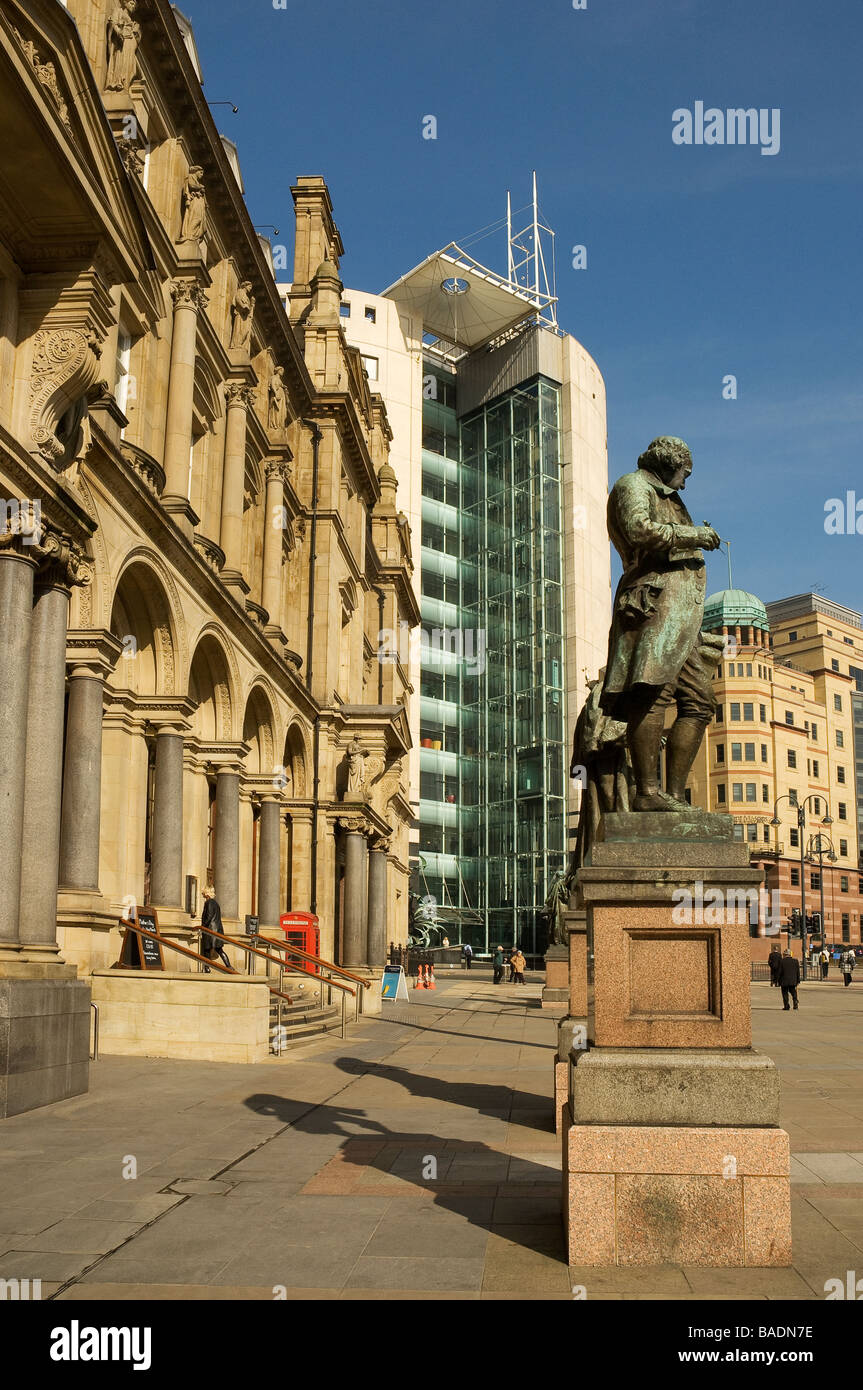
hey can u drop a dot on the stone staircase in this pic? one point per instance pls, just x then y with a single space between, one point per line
300 1021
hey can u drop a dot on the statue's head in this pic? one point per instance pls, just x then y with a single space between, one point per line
670 459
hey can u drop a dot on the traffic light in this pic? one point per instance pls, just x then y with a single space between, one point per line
795 921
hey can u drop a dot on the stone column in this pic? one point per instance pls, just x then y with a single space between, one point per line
227 861
239 398
62 567
355 920
166 867
271 588
17 567
269 865
377 911
189 299
82 774
301 859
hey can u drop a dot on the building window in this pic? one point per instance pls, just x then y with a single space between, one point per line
843 849
834 664
719 714
840 774
795 878
720 752
371 314
792 758
843 811
371 366
767 834
749 752
737 791
789 717
816 805
816 768
749 668
840 739
738 832
794 837
735 712
814 733
720 796
752 834
837 703
740 668
792 796
765 793
751 791
846 927
731 669
737 752
843 883
764 752
749 713
815 880
792 637
344 311
762 713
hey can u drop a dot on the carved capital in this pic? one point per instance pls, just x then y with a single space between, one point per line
65 367
237 393
187 294
62 564
354 825
277 469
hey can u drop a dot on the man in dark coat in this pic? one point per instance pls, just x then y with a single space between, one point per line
657 653
498 965
789 978
774 960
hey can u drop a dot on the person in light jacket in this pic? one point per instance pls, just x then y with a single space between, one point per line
848 962
518 963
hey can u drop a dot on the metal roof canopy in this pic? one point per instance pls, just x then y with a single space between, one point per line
462 302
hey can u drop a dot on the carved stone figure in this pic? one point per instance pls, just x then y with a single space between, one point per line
242 315
124 35
194 205
277 414
657 654
356 770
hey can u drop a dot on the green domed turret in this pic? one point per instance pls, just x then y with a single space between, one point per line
734 608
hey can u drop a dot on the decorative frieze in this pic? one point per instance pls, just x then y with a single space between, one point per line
46 74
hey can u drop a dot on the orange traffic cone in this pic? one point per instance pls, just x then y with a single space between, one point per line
430 984
419 983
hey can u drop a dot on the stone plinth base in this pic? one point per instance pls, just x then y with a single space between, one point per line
555 993
561 1094
645 1195
571 1039
202 1018
44 1042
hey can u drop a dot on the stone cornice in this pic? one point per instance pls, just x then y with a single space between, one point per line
92 652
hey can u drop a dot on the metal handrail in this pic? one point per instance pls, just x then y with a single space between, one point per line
195 955
318 960
94 1055
243 945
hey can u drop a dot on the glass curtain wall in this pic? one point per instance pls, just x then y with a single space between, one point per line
512 764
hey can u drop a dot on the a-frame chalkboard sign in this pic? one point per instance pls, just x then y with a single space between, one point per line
141 952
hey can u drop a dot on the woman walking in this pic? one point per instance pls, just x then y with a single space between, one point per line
518 963
211 946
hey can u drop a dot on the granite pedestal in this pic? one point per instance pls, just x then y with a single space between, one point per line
671 1147
572 1028
44 1041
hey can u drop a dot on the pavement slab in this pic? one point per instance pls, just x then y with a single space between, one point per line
413 1160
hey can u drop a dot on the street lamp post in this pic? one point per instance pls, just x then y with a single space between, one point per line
817 847
800 808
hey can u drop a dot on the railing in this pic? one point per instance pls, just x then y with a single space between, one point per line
322 965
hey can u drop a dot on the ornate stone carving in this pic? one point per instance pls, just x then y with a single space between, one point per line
65 367
278 468
189 294
133 156
212 553
147 468
242 316
61 561
165 648
354 825
124 35
46 74
300 528
194 206
277 411
238 393
356 771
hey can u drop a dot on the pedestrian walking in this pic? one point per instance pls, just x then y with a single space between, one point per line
789 978
518 963
498 964
847 963
211 946
467 952
774 960
825 963
511 979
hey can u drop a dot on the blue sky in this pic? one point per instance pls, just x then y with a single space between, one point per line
702 261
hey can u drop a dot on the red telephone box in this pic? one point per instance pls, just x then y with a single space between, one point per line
303 931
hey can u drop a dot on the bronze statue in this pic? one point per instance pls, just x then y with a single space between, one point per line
658 655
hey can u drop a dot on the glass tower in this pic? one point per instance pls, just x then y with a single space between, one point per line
493 754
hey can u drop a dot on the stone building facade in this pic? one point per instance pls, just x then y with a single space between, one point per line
201 539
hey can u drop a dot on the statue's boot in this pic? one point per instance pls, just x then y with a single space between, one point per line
644 738
684 741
